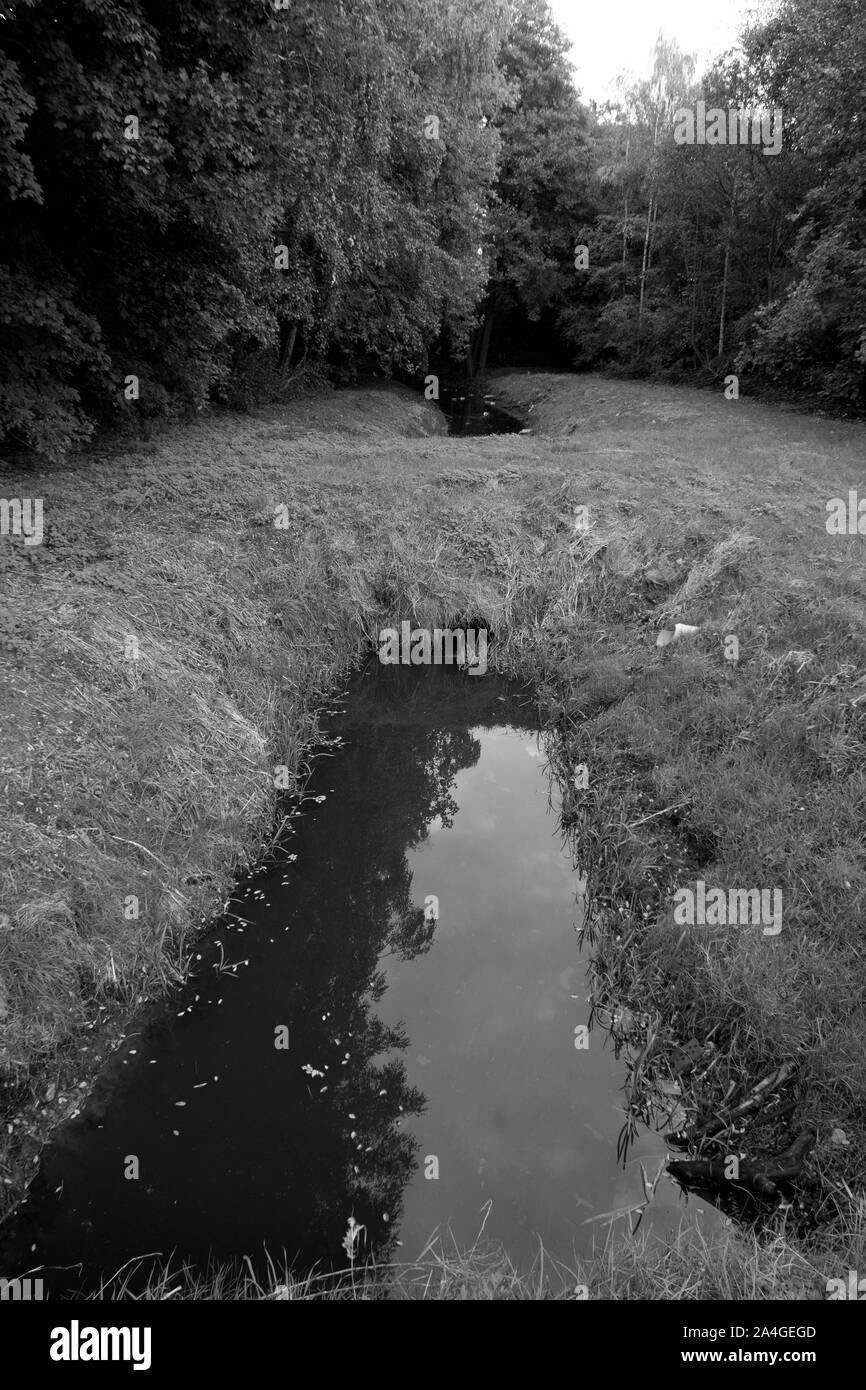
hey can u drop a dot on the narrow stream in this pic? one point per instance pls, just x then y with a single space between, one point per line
471 411
431 1066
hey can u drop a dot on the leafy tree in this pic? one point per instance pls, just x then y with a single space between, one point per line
540 202
812 336
197 191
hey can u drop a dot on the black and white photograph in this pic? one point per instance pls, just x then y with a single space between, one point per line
432 672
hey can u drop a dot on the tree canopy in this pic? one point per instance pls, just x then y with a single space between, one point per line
200 193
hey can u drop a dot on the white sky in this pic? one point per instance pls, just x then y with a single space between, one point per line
614 36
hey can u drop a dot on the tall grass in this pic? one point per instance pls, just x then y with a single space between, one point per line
692 1266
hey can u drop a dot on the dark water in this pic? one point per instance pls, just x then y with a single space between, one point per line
471 411
409 1040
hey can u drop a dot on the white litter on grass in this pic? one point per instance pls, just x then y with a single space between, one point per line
668 634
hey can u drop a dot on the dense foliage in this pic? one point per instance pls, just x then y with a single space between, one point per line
198 194
196 191
702 259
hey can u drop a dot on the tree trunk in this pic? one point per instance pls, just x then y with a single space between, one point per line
643 269
728 241
693 306
652 239
485 341
624 233
771 255
650 218
625 205
721 346
289 334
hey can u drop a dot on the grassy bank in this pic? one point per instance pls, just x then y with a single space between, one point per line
692 1267
149 776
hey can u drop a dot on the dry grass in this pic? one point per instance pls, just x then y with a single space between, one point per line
726 1266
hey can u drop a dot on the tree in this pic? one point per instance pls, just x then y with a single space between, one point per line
196 191
539 202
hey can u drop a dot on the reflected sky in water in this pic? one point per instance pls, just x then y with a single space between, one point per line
408 1039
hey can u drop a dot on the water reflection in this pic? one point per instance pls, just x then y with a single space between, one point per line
240 1144
470 411
408 1039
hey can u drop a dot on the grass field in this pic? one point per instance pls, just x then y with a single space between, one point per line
168 644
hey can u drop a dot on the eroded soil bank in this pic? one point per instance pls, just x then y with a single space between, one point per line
251 559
